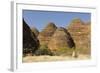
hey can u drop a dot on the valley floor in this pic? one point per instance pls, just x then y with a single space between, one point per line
46 58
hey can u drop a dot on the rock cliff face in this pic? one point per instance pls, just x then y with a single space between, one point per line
30 41
61 39
35 31
45 35
81 33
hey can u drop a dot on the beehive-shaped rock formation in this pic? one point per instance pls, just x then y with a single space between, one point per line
80 32
45 35
61 39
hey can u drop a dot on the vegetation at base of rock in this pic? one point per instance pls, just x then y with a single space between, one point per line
43 50
64 51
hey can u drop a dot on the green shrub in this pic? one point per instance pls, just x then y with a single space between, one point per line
43 50
64 51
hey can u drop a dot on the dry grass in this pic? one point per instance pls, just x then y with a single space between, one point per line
47 58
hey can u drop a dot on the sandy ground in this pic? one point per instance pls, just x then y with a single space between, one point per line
46 58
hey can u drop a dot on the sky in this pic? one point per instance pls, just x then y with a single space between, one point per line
39 19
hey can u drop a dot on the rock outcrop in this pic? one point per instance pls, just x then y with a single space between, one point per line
61 39
81 33
30 41
46 34
35 31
